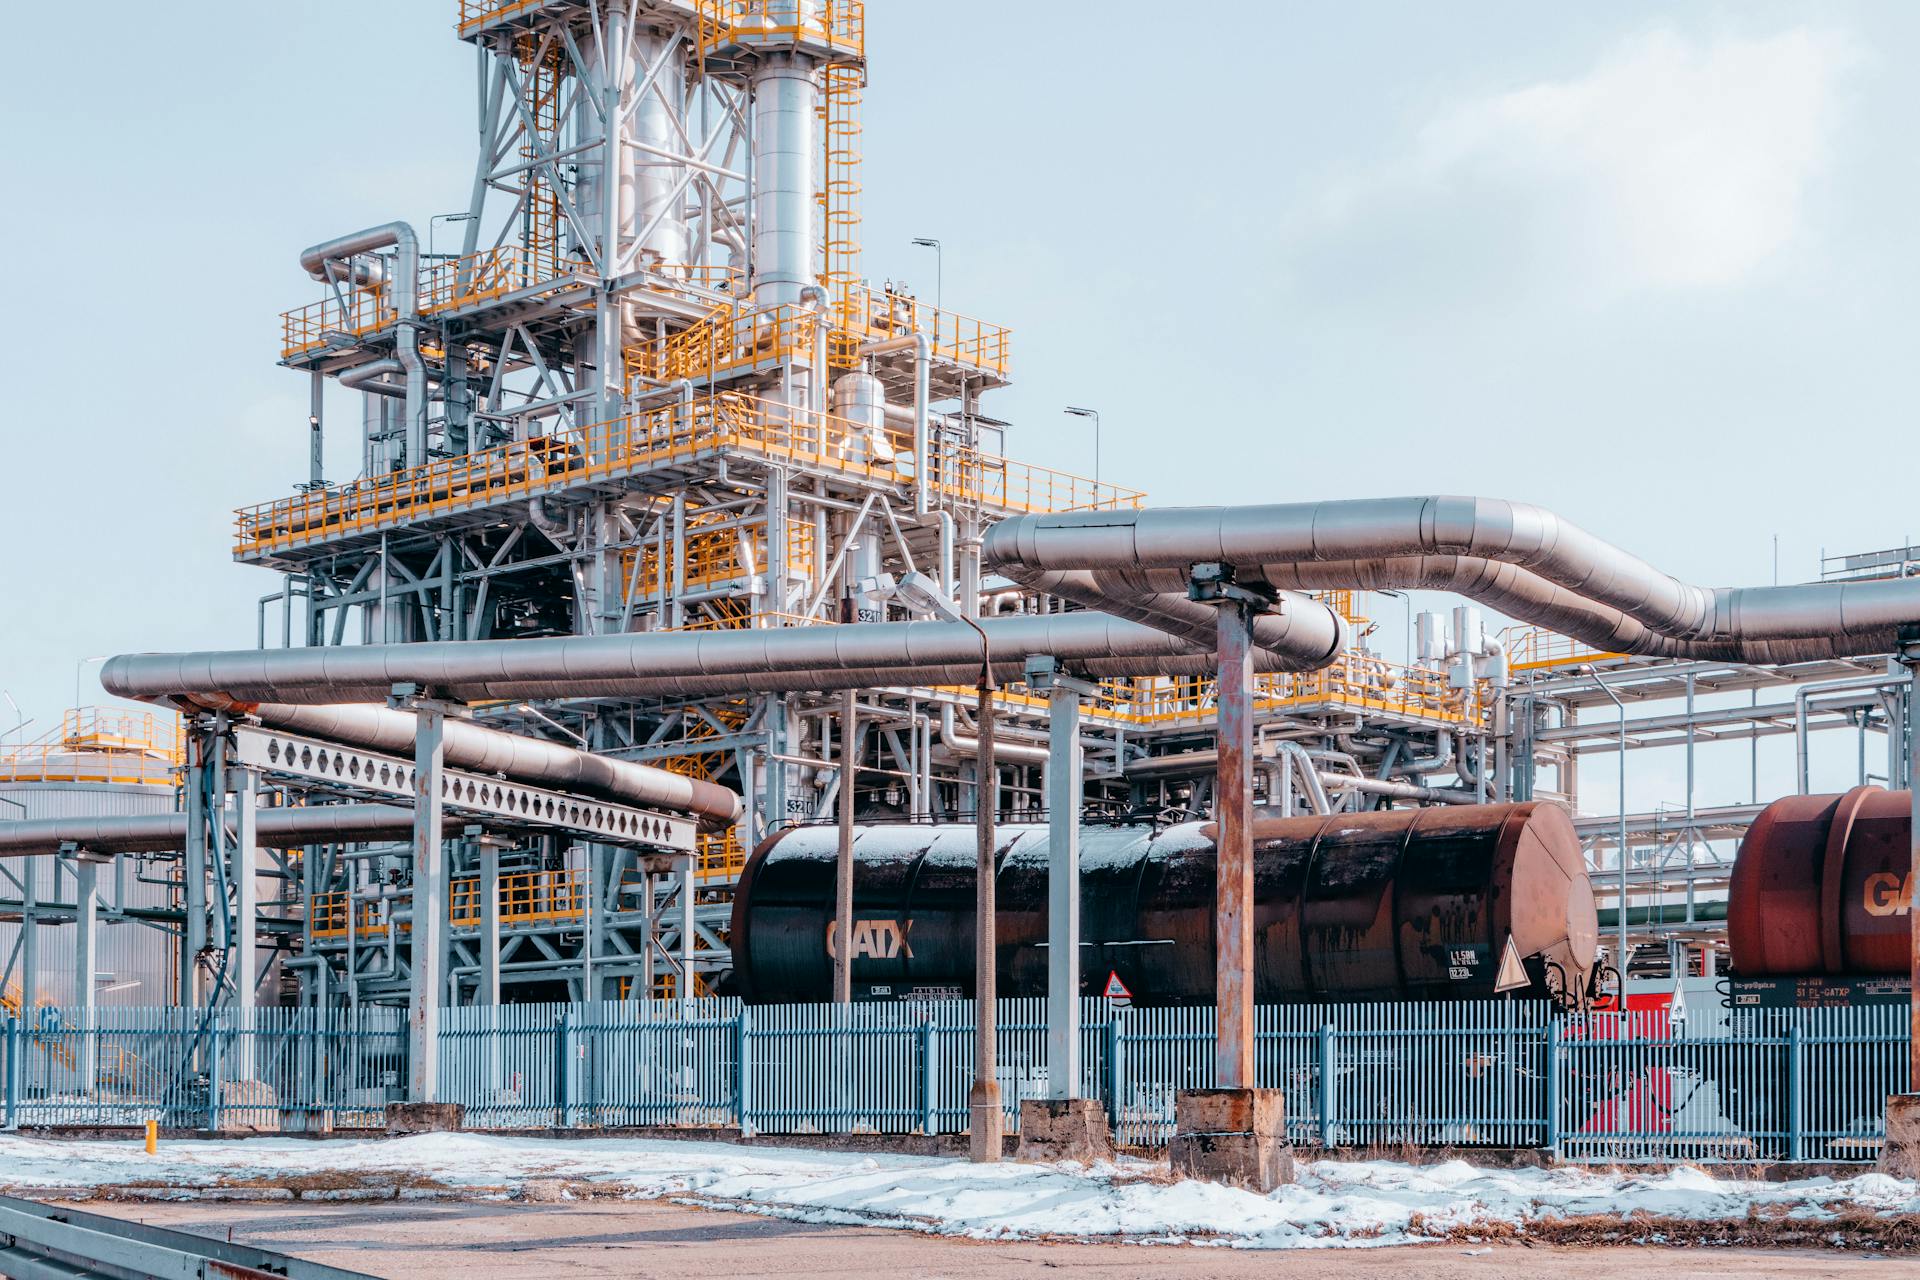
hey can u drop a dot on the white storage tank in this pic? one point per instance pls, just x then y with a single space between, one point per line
101 761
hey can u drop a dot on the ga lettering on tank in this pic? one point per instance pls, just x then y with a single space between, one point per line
873 939
1888 894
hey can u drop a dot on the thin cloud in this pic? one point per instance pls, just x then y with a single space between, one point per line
1675 163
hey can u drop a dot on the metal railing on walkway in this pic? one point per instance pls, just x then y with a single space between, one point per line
1744 1086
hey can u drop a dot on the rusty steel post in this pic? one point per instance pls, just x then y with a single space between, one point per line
985 1121
1233 887
843 864
1910 655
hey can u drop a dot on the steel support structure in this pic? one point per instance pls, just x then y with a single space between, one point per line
986 1122
429 901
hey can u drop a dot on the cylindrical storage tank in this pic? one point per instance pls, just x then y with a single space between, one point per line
1820 886
134 961
1413 903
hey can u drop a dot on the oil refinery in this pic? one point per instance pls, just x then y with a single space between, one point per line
692 646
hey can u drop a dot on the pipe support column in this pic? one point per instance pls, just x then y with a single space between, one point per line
843 862
429 902
984 1118
1065 770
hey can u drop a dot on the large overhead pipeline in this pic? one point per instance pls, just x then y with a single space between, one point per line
166 832
529 760
696 663
1517 558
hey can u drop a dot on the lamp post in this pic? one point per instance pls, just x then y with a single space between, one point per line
443 217
1079 412
79 667
939 266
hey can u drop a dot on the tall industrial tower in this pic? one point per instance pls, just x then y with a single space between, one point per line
652 391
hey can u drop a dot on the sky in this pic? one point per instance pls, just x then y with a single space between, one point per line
1647 265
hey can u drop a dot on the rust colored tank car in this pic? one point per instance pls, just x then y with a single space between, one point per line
1820 887
1412 903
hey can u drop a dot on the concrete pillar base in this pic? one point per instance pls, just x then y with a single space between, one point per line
1236 1136
1900 1156
425 1117
1064 1129
986 1126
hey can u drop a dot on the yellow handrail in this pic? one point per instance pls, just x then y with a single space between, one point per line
101 744
1539 649
658 436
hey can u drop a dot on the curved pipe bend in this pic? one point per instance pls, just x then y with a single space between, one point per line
1513 556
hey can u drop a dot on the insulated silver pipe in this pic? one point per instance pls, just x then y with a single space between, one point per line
521 759
406 305
164 832
656 664
1518 558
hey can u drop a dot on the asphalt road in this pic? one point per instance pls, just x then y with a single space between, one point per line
430 1240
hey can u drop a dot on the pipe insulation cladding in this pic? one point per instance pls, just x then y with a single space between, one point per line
699 663
1520 559
1822 885
167 832
1399 904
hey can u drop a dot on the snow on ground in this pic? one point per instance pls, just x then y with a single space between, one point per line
1333 1203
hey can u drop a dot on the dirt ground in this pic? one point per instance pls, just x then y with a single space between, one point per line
425 1241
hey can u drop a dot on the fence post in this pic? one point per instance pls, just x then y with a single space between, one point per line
213 1072
1553 1086
1327 1085
928 1121
13 1072
742 1074
1116 1070
563 1067
1793 1091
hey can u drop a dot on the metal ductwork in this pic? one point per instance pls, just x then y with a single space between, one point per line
658 664
166 832
529 760
1518 558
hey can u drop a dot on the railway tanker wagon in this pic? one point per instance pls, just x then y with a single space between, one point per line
1417 904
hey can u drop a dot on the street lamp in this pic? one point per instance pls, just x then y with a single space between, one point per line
1078 412
443 217
939 266
80 666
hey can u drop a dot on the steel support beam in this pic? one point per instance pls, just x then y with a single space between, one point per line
984 1118
243 871
1066 769
843 863
429 903
1233 888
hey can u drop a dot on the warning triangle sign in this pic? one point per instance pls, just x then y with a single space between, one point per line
1115 989
1513 974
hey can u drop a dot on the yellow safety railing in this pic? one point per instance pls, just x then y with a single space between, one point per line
656 437
475 12
101 744
840 24
444 286
1538 649
720 856
1357 682
719 556
725 342
327 914
877 316
525 897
